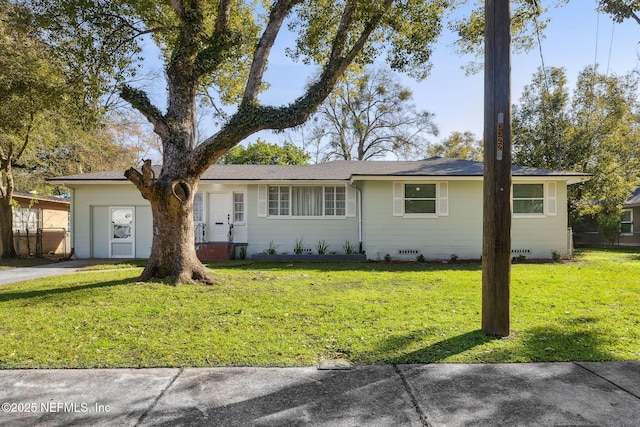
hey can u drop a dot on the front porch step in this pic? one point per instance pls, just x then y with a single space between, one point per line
208 252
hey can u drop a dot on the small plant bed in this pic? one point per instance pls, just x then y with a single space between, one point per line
308 257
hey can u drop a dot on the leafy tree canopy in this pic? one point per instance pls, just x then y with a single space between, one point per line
595 130
263 153
458 145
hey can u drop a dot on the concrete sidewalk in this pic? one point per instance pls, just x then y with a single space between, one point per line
548 394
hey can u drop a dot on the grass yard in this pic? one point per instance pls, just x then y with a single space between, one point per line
290 315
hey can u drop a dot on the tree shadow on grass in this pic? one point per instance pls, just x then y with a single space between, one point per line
433 353
577 339
11 296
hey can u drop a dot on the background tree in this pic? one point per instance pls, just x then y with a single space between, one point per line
370 115
263 153
593 131
458 145
46 125
621 9
541 123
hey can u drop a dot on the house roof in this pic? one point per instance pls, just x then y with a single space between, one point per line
341 170
19 195
634 200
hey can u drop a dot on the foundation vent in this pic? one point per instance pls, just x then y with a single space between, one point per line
408 251
520 251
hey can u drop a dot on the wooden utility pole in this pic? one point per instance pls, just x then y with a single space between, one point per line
496 232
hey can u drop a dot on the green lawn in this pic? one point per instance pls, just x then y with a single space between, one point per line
287 315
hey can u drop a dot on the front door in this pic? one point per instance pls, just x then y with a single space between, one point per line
122 236
220 214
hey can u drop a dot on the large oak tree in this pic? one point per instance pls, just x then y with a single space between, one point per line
225 45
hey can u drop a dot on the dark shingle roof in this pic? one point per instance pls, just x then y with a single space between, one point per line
634 200
340 170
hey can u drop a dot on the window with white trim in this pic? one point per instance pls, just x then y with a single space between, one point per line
335 201
307 200
238 207
420 198
528 199
626 223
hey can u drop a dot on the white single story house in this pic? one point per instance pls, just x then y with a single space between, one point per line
431 207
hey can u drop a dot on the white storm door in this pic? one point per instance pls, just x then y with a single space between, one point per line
220 214
122 235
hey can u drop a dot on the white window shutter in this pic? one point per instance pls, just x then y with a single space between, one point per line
443 199
351 201
551 199
262 201
398 199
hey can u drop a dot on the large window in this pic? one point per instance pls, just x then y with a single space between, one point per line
528 199
419 198
27 219
626 223
307 200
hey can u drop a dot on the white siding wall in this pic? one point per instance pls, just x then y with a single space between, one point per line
459 232
536 237
284 232
91 203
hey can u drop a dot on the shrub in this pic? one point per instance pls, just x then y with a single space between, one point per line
348 248
271 250
556 255
420 258
298 249
322 247
387 257
453 257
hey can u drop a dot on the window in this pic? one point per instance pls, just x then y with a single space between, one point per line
419 198
198 207
528 199
27 219
335 201
307 201
238 207
626 222
278 201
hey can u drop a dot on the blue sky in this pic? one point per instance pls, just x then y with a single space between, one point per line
577 36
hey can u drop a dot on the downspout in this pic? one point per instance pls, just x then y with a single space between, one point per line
359 213
72 223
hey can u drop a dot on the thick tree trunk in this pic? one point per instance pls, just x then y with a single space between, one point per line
173 254
6 229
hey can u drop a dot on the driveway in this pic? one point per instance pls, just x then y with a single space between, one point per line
21 274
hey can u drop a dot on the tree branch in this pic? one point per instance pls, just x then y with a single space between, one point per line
140 101
251 117
278 13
